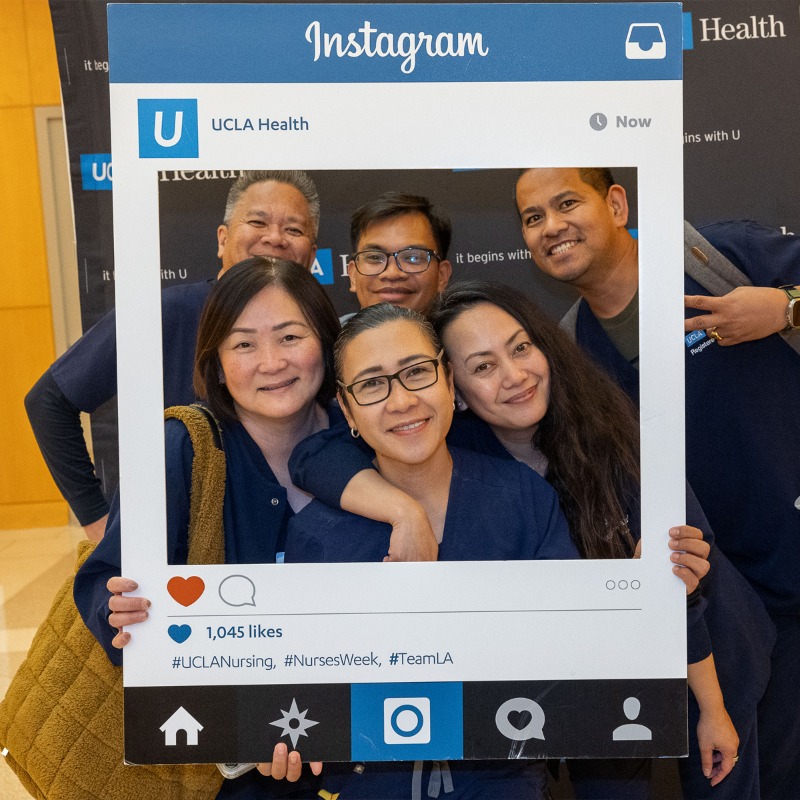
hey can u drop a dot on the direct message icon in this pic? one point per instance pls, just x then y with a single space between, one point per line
407 720
645 40
528 715
237 590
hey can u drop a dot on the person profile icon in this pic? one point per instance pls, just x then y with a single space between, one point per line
632 731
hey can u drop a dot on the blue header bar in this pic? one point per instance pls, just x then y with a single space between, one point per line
301 43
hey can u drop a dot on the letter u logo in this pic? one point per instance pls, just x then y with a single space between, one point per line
159 128
103 172
168 128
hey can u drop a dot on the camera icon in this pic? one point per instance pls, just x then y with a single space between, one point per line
407 720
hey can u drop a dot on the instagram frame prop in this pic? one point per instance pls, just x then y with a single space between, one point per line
400 661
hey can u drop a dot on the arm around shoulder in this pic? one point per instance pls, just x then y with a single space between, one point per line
56 424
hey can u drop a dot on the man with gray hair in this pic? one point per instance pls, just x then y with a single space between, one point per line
273 213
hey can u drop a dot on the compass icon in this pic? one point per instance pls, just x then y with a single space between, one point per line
294 723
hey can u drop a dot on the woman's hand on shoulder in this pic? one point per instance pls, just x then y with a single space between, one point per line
125 610
412 537
286 765
689 555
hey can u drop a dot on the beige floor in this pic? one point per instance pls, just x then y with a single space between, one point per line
33 564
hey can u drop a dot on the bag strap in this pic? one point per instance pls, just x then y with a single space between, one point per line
569 322
707 266
206 531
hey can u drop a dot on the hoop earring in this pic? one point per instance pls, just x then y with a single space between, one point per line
354 433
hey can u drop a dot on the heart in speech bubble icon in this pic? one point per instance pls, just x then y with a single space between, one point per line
186 590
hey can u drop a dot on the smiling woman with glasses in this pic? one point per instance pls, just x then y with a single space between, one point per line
396 391
377 388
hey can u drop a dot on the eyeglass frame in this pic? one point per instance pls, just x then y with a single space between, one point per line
431 255
395 376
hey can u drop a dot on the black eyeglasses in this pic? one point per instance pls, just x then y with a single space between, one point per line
376 389
409 259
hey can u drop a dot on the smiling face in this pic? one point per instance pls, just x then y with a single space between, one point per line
574 233
271 359
501 376
270 219
408 428
416 291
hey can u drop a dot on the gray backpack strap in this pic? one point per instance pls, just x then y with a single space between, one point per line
705 264
569 322
716 274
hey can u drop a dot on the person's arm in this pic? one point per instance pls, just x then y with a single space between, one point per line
770 259
56 424
90 589
369 495
716 735
338 470
743 315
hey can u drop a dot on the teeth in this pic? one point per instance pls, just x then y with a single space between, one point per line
562 248
409 427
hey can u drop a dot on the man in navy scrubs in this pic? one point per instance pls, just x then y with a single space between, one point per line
273 213
742 400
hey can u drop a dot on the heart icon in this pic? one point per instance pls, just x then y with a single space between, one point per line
179 633
186 590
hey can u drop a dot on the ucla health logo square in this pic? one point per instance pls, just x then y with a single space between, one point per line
96 172
322 268
406 721
168 129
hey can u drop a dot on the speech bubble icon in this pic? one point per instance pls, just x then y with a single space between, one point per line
237 590
179 633
526 711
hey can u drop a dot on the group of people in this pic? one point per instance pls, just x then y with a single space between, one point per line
345 446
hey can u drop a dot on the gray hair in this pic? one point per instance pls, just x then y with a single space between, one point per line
293 177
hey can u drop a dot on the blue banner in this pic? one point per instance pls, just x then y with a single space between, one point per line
388 43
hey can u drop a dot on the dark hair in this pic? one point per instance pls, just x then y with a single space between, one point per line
228 299
393 204
375 317
600 179
590 433
292 177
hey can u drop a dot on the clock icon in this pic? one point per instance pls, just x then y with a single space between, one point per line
598 121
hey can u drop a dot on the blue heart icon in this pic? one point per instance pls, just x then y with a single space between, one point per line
179 633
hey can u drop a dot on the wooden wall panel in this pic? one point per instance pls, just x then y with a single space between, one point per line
15 88
28 77
41 45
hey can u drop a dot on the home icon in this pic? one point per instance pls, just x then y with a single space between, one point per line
181 720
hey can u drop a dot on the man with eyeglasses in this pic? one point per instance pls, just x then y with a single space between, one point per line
400 243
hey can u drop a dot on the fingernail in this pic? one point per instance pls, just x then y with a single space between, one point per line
280 748
294 757
707 773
